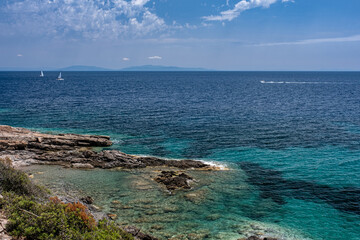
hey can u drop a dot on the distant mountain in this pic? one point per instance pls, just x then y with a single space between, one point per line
161 68
84 68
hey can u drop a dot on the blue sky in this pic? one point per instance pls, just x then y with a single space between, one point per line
213 34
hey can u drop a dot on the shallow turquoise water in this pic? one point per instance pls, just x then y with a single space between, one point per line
220 211
226 204
293 148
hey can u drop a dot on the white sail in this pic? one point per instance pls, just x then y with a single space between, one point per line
59 77
41 74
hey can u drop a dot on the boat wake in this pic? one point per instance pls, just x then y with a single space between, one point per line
286 82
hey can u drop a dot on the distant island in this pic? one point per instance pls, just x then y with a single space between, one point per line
161 68
142 68
83 68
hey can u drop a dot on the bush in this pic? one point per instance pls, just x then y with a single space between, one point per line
12 180
55 220
29 219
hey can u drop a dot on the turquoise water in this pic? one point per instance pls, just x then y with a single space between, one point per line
225 204
293 149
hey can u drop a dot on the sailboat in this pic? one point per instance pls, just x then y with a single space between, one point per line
41 74
59 77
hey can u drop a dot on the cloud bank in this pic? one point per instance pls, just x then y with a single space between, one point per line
81 18
239 7
355 38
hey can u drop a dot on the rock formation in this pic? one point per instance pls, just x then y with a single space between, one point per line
26 147
174 180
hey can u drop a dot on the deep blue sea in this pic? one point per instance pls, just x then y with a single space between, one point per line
290 139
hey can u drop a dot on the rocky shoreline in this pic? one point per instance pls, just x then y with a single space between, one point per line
25 147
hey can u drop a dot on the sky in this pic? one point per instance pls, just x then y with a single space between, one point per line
243 35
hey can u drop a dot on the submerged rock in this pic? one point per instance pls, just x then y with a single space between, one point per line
112 216
197 196
138 234
117 202
174 180
258 238
213 217
198 235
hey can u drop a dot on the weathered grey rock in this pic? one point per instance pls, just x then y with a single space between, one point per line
12 138
26 147
87 200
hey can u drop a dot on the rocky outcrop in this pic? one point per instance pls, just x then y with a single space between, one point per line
174 180
12 138
87 200
25 147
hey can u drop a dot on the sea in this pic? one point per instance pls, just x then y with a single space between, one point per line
289 144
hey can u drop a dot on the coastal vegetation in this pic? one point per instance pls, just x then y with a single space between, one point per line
32 215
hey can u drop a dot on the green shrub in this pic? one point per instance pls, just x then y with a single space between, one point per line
29 219
55 220
12 180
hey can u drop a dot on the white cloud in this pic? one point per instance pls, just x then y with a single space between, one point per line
82 18
19 55
355 38
126 59
155 57
149 23
239 7
139 2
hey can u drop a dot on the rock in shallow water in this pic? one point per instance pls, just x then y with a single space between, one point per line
137 234
258 238
174 180
112 216
196 197
87 200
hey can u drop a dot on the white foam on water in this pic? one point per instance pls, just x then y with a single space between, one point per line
117 141
307 82
271 82
220 166
287 82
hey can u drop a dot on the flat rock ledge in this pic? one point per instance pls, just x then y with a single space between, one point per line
25 147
